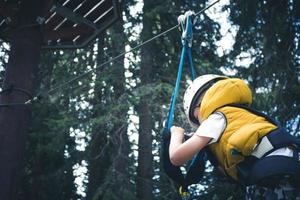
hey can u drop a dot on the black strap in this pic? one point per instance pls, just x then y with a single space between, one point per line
172 171
196 168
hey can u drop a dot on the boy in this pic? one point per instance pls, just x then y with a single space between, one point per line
248 146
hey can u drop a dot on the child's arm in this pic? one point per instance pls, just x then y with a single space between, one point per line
180 151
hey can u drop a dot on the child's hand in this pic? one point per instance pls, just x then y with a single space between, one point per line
177 130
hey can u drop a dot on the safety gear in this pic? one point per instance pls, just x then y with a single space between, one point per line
194 91
269 170
244 132
240 150
224 92
243 129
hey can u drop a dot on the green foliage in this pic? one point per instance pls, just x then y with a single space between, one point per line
268 30
89 119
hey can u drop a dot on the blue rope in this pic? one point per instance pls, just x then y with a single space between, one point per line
176 89
186 49
192 69
194 173
174 172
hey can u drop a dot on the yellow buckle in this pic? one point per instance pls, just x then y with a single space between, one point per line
183 193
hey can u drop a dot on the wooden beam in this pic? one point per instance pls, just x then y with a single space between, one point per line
66 32
46 8
56 19
70 15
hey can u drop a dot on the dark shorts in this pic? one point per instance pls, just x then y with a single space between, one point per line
280 192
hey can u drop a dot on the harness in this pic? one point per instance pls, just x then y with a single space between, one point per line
264 170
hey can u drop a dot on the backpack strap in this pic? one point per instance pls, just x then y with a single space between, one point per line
276 139
262 170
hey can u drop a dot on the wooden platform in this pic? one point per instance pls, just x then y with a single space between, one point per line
65 24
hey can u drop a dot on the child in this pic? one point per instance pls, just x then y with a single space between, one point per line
248 146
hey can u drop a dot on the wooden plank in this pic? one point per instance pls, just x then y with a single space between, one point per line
78 10
63 17
72 6
73 16
105 14
66 32
100 10
57 19
87 6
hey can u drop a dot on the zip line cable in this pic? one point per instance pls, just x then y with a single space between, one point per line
63 85
111 60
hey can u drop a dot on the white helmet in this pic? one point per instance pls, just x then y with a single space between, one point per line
194 91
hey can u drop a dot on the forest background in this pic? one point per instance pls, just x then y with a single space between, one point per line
100 137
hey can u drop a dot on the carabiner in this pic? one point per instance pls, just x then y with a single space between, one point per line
186 25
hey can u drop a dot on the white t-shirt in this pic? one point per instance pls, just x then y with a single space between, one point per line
214 126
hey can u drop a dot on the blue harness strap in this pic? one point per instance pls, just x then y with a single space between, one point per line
195 171
175 91
192 69
186 41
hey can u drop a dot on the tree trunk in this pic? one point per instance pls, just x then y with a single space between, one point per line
14 120
111 175
145 157
121 179
20 73
144 169
99 156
